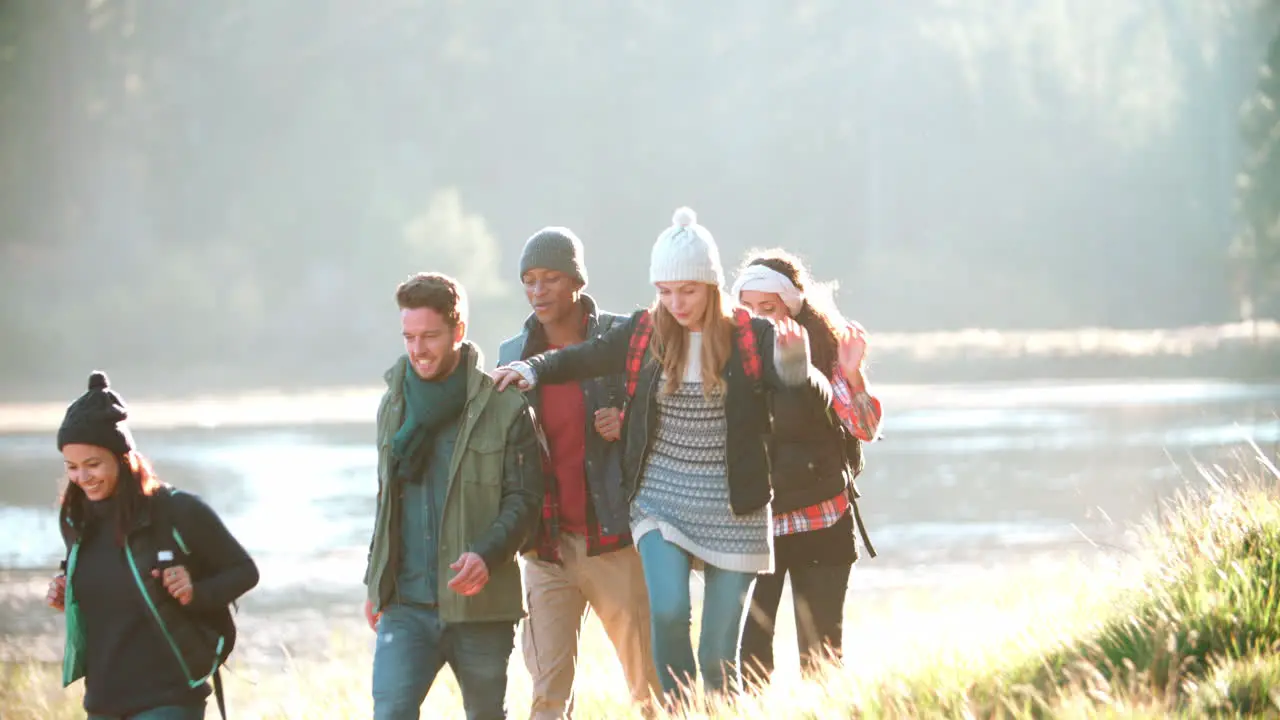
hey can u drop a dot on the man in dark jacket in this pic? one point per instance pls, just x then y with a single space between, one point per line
581 554
459 482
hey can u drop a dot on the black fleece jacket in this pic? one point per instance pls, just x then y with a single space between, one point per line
130 666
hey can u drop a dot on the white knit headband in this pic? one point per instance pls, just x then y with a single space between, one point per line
765 279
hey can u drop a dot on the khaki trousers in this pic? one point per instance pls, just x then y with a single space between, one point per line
613 586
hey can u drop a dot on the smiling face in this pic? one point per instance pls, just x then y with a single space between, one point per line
93 468
431 343
765 304
552 294
686 301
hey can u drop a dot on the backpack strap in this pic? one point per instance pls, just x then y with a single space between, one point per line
855 462
221 699
747 344
166 534
604 324
163 532
636 350
539 433
613 385
862 527
643 332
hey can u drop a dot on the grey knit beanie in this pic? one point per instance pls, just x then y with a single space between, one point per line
554 248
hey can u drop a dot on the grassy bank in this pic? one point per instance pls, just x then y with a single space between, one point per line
1189 627
1196 633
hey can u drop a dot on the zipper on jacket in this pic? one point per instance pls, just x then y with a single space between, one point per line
644 434
173 645
732 372
73 647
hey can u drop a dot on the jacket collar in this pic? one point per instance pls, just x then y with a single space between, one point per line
141 518
472 356
590 315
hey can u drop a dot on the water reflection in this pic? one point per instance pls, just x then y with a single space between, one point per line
967 475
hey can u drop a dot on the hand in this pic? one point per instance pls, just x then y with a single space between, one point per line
371 617
609 423
178 582
472 575
789 332
57 594
852 352
505 376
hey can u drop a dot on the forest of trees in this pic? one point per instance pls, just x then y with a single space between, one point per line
1256 252
215 194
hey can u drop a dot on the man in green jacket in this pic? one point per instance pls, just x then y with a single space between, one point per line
459 490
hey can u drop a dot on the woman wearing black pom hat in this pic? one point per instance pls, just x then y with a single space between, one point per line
150 574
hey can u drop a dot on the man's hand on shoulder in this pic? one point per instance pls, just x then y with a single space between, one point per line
505 377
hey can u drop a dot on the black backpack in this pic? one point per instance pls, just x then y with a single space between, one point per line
856 463
220 622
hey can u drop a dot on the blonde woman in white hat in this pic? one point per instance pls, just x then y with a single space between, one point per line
695 462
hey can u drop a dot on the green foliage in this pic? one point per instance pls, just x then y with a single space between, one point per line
1258 247
204 187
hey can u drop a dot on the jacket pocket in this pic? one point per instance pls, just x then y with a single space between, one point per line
614 516
478 488
484 461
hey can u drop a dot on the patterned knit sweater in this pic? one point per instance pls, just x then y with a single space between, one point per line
684 491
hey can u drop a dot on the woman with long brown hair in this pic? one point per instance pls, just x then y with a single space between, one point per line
149 575
815 458
695 466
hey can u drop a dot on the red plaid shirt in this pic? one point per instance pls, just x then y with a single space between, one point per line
546 544
860 412
815 517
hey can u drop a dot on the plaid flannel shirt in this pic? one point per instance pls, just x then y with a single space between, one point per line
547 543
860 413
815 517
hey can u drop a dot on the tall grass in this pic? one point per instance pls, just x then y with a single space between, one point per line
1190 627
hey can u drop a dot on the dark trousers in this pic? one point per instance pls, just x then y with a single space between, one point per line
817 593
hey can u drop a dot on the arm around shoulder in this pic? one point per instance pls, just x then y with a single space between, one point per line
597 357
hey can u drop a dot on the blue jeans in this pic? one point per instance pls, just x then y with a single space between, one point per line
413 644
167 712
666 573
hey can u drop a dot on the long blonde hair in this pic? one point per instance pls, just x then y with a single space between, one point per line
671 344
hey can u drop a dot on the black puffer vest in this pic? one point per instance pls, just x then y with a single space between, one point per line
808 448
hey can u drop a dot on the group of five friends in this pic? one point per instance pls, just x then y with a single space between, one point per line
714 431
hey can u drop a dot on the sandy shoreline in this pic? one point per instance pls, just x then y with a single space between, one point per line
278 626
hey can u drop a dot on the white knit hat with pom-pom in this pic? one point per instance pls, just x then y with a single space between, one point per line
686 252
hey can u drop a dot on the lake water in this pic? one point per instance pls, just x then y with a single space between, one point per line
968 476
